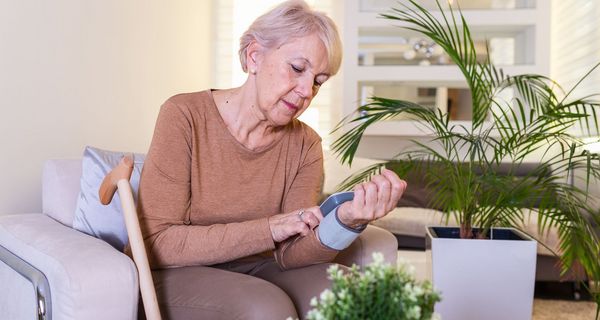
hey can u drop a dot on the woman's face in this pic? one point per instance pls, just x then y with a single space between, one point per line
289 77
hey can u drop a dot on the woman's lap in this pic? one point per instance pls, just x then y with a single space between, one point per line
266 292
211 293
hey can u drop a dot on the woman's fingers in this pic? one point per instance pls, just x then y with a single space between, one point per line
316 211
370 199
398 186
289 224
303 229
374 199
311 217
383 195
286 225
359 198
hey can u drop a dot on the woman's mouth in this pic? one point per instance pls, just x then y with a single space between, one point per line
292 107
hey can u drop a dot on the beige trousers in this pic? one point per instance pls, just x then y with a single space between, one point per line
258 290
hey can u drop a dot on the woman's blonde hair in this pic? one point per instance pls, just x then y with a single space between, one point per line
293 19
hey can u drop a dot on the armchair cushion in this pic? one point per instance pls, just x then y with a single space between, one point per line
88 278
93 218
60 185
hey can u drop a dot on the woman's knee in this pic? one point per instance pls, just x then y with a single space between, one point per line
372 239
264 301
301 284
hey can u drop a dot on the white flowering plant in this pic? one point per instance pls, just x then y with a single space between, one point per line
380 291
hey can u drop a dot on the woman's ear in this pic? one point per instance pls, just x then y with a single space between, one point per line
254 57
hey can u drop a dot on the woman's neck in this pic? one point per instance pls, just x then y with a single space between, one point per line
244 120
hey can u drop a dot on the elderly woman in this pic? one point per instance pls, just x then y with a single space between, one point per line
228 191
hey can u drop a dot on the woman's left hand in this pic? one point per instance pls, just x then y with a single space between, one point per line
285 225
373 199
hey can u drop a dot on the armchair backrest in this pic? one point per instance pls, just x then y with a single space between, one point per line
60 188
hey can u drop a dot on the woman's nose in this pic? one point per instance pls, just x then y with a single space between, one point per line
304 87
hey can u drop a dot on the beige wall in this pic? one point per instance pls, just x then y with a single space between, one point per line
76 73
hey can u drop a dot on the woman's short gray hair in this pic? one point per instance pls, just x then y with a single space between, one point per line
293 19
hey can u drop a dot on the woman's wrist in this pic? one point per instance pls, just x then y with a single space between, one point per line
344 215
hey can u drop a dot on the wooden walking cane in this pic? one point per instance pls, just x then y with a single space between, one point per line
118 179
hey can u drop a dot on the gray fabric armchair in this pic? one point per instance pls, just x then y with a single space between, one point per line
50 271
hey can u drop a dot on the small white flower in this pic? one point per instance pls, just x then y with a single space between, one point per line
381 272
315 315
406 267
343 293
418 290
333 268
333 271
414 312
327 296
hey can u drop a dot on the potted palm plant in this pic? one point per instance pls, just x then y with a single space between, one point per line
472 169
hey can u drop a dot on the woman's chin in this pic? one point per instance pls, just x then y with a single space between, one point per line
283 119
283 122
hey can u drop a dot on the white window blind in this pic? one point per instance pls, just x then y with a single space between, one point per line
576 44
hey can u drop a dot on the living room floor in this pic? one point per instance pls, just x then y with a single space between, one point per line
552 301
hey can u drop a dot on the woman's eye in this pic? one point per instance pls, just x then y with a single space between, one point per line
297 69
319 81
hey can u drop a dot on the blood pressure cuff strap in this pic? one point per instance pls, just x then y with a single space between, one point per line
336 235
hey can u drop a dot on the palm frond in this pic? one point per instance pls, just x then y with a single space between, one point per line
378 110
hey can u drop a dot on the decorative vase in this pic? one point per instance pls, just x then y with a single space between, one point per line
482 278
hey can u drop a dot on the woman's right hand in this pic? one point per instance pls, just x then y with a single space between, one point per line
372 199
289 224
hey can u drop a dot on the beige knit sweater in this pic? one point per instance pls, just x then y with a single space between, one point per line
204 198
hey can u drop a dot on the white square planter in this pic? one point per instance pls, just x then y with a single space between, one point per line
482 279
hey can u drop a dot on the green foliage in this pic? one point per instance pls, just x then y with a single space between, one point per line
537 122
379 292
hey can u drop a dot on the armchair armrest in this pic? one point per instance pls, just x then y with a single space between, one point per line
29 296
88 278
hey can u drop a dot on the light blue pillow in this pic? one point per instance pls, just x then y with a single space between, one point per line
92 217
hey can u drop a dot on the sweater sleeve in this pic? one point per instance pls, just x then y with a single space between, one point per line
301 251
164 204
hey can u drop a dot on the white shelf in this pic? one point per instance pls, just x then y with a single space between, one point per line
529 26
504 18
409 73
407 128
450 75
